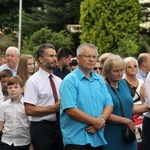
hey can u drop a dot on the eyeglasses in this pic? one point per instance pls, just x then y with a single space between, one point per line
130 67
88 56
99 68
118 71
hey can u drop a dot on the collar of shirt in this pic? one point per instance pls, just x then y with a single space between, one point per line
142 73
81 75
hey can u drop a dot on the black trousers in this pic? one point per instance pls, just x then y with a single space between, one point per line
46 135
146 133
4 146
81 147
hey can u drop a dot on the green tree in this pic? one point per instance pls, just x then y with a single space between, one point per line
45 35
9 10
108 24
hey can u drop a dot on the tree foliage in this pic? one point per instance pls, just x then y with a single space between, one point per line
45 35
111 25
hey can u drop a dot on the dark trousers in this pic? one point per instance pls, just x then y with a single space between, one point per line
81 147
46 136
4 146
146 133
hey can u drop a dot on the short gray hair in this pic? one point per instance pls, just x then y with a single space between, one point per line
80 48
13 48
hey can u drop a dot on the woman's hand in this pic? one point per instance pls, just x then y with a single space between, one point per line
130 124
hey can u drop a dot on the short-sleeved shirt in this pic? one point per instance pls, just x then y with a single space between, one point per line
39 92
16 128
90 96
5 66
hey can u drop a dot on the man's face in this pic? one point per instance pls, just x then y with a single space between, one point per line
48 62
87 59
12 58
67 61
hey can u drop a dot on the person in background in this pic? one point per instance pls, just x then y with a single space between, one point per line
138 93
42 104
136 85
144 66
12 58
27 62
97 68
85 103
13 121
73 64
102 59
113 70
64 56
5 75
2 60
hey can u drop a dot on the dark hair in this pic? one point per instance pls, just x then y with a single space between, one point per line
14 80
42 48
6 73
64 52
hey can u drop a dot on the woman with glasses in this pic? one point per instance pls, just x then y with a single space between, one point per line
136 85
113 70
97 67
137 90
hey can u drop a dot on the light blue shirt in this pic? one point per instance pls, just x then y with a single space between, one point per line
5 66
141 75
90 96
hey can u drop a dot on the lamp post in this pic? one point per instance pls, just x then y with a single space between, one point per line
20 22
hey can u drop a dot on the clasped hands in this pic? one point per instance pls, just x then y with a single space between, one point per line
97 125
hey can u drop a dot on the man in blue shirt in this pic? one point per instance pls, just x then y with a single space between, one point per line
85 103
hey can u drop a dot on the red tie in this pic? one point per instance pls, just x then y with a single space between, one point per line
53 88
55 96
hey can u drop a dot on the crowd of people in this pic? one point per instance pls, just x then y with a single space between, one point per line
62 101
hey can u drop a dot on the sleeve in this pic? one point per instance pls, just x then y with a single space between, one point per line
68 94
108 98
30 92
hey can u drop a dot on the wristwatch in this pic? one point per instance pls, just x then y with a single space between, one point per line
103 120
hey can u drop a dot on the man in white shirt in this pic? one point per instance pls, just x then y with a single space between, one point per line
40 102
12 58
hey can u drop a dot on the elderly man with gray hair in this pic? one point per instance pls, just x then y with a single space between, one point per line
12 58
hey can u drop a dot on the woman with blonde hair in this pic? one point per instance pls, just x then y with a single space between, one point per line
26 67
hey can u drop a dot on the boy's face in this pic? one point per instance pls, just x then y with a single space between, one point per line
15 91
4 81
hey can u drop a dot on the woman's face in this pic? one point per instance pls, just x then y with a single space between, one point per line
30 66
131 68
97 68
116 72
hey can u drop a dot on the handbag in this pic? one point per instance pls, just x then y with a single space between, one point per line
128 135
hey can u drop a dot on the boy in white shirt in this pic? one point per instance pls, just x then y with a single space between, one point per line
13 120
